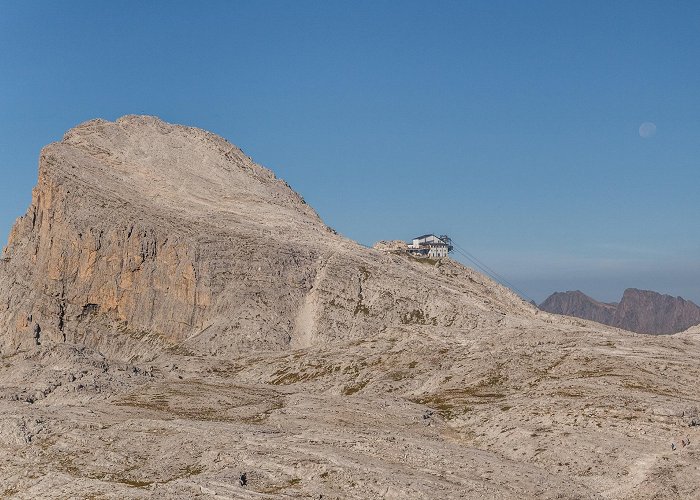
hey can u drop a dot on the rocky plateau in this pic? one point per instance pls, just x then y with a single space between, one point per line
176 322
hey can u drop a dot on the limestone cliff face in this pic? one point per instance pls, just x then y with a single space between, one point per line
146 235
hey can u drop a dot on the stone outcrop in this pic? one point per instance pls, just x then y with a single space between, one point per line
640 311
144 235
391 246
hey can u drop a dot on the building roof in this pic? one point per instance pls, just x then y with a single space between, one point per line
425 236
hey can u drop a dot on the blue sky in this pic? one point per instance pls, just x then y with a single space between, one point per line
512 126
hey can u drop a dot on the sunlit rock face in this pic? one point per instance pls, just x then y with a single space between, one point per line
142 234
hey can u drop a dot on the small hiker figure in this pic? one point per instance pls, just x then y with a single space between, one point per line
243 481
37 334
673 446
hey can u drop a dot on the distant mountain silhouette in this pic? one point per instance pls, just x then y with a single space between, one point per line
640 311
579 304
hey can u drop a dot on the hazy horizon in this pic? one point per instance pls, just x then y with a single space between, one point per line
560 149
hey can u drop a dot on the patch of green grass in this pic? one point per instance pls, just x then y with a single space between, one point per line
425 260
418 317
365 273
569 393
361 309
134 483
645 387
398 375
185 401
271 490
288 378
180 350
263 416
450 403
353 389
603 372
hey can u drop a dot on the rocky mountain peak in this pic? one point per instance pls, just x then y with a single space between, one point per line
641 311
646 311
174 169
143 235
576 303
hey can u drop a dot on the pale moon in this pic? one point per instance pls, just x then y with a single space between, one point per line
647 130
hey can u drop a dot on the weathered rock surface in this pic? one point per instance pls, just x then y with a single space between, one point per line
146 235
392 246
693 329
640 311
199 322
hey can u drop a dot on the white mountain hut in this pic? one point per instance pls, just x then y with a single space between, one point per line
429 245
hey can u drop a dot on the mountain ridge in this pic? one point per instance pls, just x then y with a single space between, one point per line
640 311
161 234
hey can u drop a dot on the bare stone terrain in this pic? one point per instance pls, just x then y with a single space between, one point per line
198 322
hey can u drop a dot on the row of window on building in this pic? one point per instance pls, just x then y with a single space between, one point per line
429 245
